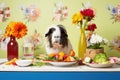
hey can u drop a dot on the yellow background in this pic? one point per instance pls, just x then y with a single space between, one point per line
104 25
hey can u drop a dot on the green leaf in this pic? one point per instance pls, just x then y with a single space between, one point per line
51 58
38 64
76 58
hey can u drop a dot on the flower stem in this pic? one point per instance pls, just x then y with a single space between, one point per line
80 24
85 24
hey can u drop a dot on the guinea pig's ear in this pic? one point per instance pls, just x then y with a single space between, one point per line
50 31
63 30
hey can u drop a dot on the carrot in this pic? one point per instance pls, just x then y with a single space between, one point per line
72 53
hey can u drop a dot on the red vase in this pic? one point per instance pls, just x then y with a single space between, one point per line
12 48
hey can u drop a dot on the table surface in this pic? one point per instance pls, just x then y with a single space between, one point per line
73 68
54 68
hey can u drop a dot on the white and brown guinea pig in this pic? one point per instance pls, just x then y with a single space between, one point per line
57 40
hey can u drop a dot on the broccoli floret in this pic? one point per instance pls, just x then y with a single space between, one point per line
100 58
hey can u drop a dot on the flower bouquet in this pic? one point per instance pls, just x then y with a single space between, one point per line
95 45
96 42
83 19
14 30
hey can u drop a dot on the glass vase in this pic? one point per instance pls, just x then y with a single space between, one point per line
28 50
12 48
82 44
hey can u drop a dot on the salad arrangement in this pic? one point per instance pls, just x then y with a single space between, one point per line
59 57
62 59
53 57
101 58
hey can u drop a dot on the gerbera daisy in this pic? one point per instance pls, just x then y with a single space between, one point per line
16 29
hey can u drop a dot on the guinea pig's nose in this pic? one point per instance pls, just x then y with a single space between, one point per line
56 41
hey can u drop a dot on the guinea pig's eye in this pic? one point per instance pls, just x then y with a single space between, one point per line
57 36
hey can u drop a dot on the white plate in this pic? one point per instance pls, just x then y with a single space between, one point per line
23 63
3 60
100 65
63 63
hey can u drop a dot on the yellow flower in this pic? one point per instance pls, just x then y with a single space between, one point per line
9 28
77 17
16 29
8 31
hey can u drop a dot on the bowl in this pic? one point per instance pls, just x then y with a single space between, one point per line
23 63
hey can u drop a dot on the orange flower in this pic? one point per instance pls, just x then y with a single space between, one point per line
16 29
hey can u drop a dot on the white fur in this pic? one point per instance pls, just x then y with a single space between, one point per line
56 35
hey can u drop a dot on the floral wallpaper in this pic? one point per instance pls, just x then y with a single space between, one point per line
60 12
38 15
31 13
114 12
4 12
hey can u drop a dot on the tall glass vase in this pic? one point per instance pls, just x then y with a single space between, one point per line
82 44
12 48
